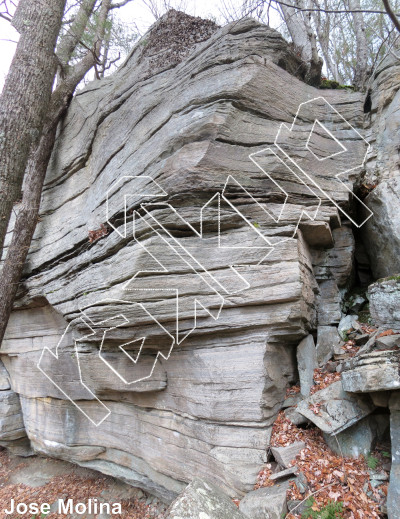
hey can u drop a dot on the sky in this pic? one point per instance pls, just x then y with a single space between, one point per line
136 12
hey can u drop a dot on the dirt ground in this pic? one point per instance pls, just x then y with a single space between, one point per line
45 480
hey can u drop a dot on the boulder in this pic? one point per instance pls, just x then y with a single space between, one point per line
382 232
388 342
203 500
306 363
284 474
266 503
11 420
295 417
370 372
347 323
180 166
384 303
333 410
285 455
4 378
357 440
328 343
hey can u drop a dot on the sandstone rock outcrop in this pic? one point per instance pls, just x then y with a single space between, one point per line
382 232
170 141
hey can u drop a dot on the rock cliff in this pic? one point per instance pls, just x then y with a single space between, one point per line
236 255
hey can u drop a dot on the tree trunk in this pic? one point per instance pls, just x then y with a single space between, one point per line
26 95
361 68
26 220
74 34
25 224
299 25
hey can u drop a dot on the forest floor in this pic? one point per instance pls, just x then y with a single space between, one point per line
45 480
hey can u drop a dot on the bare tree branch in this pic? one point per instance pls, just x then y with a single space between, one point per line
391 14
119 4
5 17
73 36
331 11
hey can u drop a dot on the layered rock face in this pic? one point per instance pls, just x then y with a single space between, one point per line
161 351
382 232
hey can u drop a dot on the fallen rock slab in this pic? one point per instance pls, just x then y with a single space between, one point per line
265 503
203 500
375 371
306 363
295 417
285 455
291 471
328 343
388 342
333 410
4 378
355 441
347 323
382 232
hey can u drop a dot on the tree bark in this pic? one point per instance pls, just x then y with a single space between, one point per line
25 224
27 216
361 68
392 14
72 37
26 95
299 25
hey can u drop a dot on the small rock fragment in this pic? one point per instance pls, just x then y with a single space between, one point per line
328 343
306 363
295 417
265 503
285 455
347 323
283 473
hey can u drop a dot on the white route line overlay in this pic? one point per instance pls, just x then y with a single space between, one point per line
182 251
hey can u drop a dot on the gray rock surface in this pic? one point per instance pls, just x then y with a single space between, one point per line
387 342
4 378
384 303
393 501
346 324
265 503
295 417
11 420
207 411
375 371
357 440
332 269
382 232
333 410
285 455
306 363
203 500
328 343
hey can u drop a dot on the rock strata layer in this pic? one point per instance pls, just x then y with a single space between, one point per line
171 140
